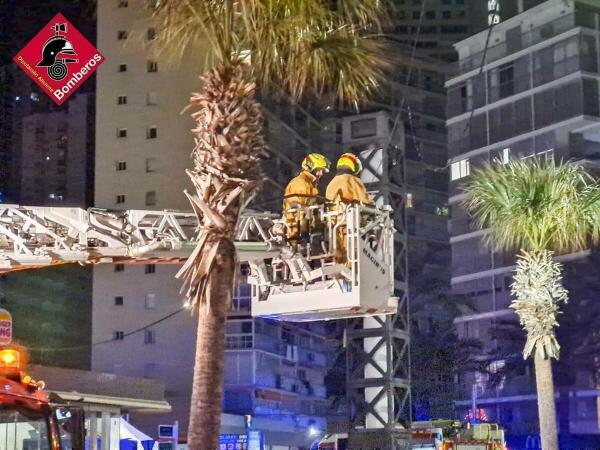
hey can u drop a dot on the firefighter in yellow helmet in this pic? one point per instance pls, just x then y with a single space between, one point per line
346 186
302 191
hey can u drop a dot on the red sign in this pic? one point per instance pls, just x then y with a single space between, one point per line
59 59
5 327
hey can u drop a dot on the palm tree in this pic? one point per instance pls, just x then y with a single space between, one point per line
539 209
306 47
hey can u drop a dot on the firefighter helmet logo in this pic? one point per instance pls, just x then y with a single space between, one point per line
59 59
57 53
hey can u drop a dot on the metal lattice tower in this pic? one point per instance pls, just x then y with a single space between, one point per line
377 348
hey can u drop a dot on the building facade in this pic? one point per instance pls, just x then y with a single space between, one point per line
535 95
57 155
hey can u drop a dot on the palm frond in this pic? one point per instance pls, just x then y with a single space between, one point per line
535 205
303 46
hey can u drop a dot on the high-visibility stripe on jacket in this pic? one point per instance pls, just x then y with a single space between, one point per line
347 188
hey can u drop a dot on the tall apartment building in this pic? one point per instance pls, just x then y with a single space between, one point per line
143 147
57 155
536 96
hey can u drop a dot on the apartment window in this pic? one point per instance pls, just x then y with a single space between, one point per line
151 34
416 15
151 164
122 100
363 128
447 14
409 200
119 301
150 268
152 66
460 169
122 67
119 267
151 133
150 198
151 98
123 4
121 165
150 302
122 133
119 335
121 35
149 337
430 15
120 199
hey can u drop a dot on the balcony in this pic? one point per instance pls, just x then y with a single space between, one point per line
566 101
529 38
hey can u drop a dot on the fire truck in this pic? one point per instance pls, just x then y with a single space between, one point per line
438 435
452 435
31 419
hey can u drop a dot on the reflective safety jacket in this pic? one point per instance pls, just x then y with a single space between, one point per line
301 191
347 188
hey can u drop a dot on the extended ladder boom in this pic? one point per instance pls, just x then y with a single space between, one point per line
33 236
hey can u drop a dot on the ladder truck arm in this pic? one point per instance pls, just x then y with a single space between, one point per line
290 280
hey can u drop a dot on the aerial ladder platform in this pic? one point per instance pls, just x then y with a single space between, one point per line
342 267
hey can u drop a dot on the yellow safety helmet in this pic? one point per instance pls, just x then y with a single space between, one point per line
350 161
315 161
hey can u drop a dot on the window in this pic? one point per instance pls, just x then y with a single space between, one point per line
460 169
122 133
119 267
446 14
119 301
122 67
247 327
122 100
239 342
151 133
151 164
150 302
149 337
123 4
121 165
363 128
121 35
152 66
416 15
150 198
151 34
150 268
120 199
409 200
151 98
430 15
119 335
401 15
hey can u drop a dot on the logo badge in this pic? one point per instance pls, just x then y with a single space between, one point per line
59 59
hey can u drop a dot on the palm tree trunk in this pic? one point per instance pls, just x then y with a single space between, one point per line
546 404
207 392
